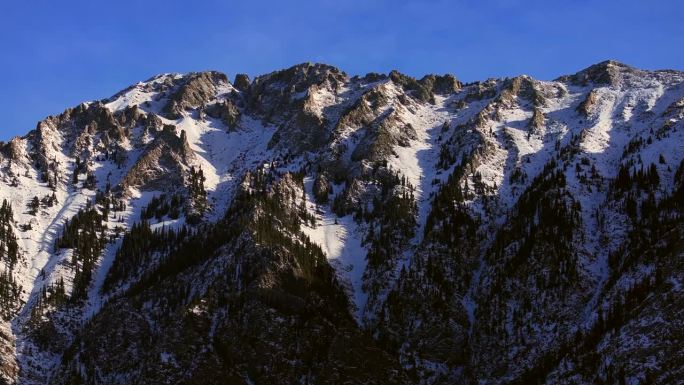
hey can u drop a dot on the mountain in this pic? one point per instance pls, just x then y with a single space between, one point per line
310 227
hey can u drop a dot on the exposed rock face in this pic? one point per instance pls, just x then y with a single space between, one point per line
130 117
242 82
586 108
303 132
481 90
322 188
160 167
288 98
383 136
227 111
425 88
14 149
8 366
537 121
311 227
443 85
522 88
420 90
277 93
196 90
608 72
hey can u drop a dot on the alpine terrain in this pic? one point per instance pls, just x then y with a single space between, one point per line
311 227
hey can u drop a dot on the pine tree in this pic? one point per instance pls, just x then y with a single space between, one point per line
198 195
9 256
33 205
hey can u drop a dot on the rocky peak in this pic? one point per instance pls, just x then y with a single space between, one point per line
480 90
522 87
372 77
242 82
608 72
288 98
13 150
420 90
159 84
300 77
195 90
272 94
91 117
441 84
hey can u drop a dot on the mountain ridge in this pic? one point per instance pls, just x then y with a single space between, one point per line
601 64
457 232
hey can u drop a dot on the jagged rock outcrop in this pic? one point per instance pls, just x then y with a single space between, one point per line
14 149
586 107
161 166
287 98
608 72
322 188
273 95
305 131
242 82
195 90
382 136
537 120
421 90
443 85
8 365
226 111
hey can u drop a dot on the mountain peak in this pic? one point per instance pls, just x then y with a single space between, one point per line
300 76
607 72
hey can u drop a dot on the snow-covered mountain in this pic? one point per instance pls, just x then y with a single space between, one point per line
308 226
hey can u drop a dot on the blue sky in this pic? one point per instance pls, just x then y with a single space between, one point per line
56 54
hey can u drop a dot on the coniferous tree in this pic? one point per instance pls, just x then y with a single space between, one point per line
198 195
33 205
10 290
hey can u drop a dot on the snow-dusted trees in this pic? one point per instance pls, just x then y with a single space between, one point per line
33 205
163 206
197 196
9 249
9 256
85 234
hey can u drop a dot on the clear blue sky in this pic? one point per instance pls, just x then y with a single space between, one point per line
56 54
